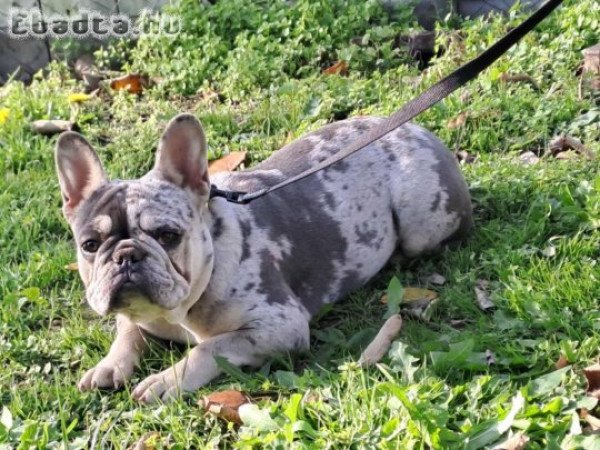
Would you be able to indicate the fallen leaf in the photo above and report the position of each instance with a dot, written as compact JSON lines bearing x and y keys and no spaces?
{"x":528,"y":158}
{"x":482,"y":297}
{"x":562,"y":361}
{"x":134,"y":83}
{"x":78,"y":97}
{"x":592,"y":421}
{"x":4,"y":115}
{"x":517,"y":78}
{"x":339,"y":68}
{"x":411,"y":294}
{"x":592,"y":375}
{"x":49,"y":127}
{"x":419,"y":302}
{"x":72,"y":266}
{"x":458,"y":121}
{"x":382,"y":341}
{"x":148,"y":441}
{"x":563,"y":143}
{"x":437,"y":279}
{"x":225,"y":404}
{"x":227,"y":163}
{"x":517,"y":441}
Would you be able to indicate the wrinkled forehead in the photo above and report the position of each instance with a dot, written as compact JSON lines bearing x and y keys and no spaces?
{"x":120,"y":206}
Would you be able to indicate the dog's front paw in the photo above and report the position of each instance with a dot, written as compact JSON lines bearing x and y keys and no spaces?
{"x":108,"y":373}
{"x":164,"y":386}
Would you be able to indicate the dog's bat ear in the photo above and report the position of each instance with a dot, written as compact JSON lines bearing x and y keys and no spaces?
{"x":79,"y":170}
{"x":182,"y":155}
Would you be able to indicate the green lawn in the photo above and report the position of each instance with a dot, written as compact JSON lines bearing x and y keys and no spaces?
{"x":536,"y":238}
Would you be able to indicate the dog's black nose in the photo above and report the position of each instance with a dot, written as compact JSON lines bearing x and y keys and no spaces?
{"x":128,"y":255}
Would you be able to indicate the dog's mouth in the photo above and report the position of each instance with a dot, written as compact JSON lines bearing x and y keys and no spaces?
{"x":136,"y":289}
{"x":125,"y":288}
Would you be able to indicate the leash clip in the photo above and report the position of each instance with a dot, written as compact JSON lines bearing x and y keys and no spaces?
{"x":230,"y":196}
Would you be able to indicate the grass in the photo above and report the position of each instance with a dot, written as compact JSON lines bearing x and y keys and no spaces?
{"x":536,"y":239}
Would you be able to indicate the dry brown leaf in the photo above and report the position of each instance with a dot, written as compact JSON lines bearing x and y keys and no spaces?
{"x":592,"y":421}
{"x":49,"y":127}
{"x":563,"y":143}
{"x":458,"y":121}
{"x":225,"y":404}
{"x":482,"y":297}
{"x":72,"y":266}
{"x":382,"y":341}
{"x":227,"y":163}
{"x":147,"y":442}
{"x":411,"y":294}
{"x":339,"y":68}
{"x":517,"y":78}
{"x":134,"y":83}
{"x":419,"y":302}
{"x":414,"y":294}
{"x":517,"y":441}
{"x":592,"y":375}
{"x":562,"y":361}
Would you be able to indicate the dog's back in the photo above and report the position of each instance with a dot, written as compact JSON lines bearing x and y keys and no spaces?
{"x":332,"y":231}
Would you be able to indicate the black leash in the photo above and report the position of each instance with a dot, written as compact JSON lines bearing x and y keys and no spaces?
{"x":430,"y":97}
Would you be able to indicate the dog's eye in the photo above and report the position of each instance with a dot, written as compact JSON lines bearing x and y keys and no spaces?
{"x":168,"y":238}
{"x":90,"y":246}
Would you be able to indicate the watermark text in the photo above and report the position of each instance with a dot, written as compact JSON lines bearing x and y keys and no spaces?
{"x":31,"y":23}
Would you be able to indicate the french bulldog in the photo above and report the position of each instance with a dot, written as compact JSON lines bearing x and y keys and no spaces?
{"x":243,"y":281}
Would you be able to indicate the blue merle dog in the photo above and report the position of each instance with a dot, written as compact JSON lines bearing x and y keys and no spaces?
{"x":243,"y":281}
